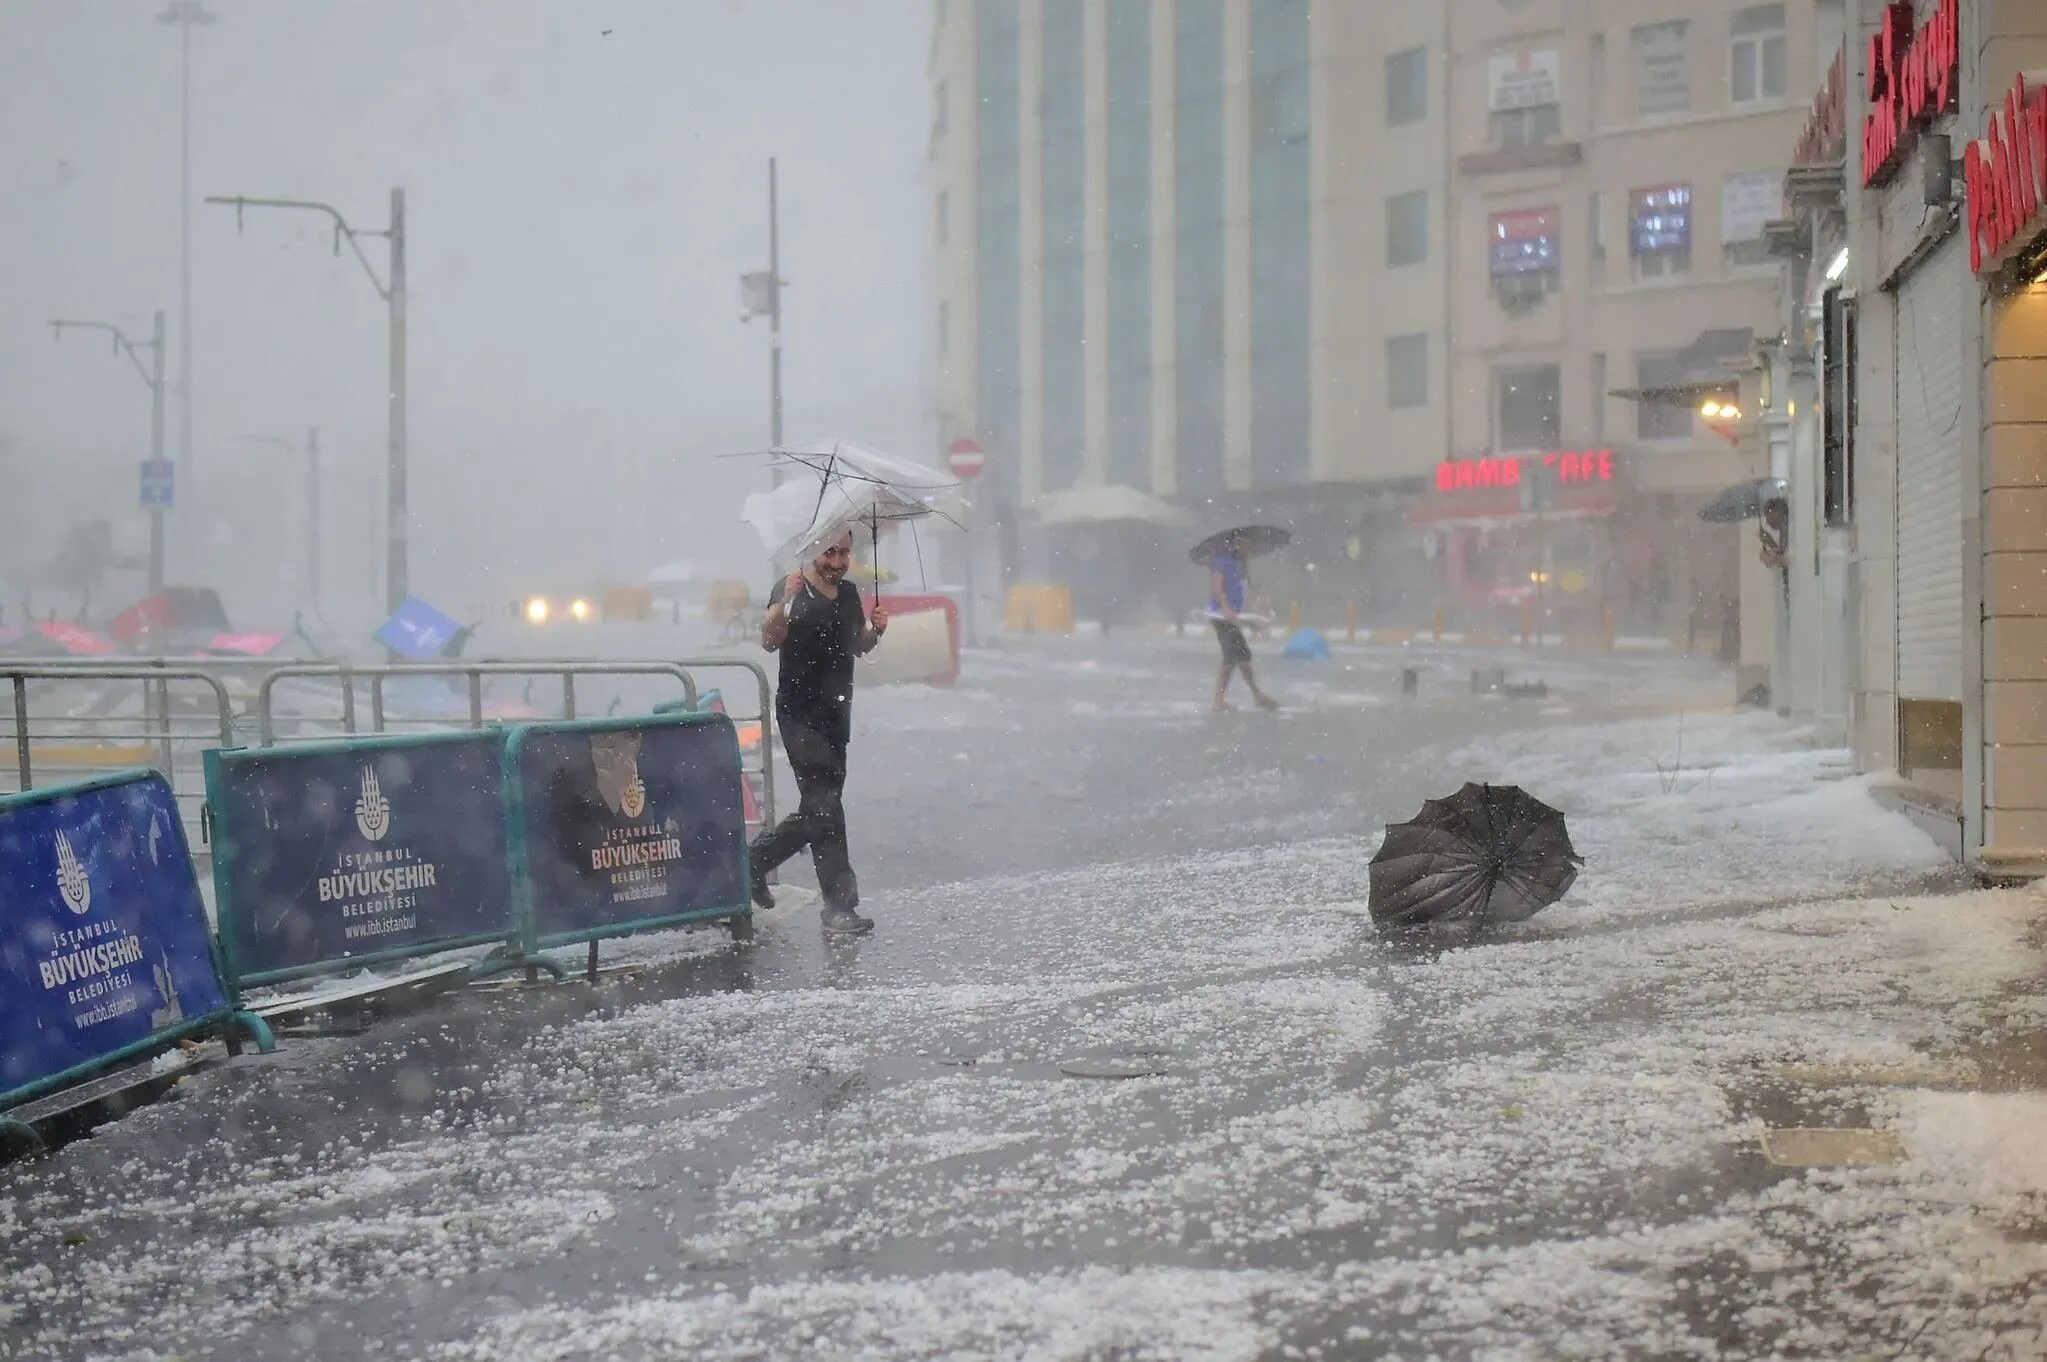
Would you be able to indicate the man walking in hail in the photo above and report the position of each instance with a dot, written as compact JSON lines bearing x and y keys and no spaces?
{"x":815,"y":622}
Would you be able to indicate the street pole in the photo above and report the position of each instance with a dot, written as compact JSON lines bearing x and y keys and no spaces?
{"x":396,"y":588}
{"x":153,"y":376}
{"x":313,"y":517}
{"x":185,"y":14}
{"x":774,"y":315}
{"x":156,"y":347}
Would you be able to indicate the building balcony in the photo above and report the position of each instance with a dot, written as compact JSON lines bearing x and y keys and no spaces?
{"x":1501,"y":161}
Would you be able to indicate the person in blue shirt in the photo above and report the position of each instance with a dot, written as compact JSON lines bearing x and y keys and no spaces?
{"x":1227,"y":580}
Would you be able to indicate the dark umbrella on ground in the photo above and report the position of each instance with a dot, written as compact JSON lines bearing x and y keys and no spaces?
{"x":1743,"y":501}
{"x":1489,"y":853}
{"x":1256,"y":540}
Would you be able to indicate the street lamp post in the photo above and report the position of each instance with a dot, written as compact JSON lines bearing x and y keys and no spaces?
{"x":761,"y":296}
{"x":185,"y":15}
{"x":393,"y":293}
{"x":153,"y":376}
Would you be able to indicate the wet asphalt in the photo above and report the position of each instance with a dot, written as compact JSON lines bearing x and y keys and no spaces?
{"x":1002,"y":833}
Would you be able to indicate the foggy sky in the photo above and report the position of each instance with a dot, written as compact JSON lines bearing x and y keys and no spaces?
{"x":579,"y":206}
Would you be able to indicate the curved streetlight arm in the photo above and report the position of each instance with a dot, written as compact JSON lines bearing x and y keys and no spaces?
{"x":342,"y":231}
{"x":122,"y":345}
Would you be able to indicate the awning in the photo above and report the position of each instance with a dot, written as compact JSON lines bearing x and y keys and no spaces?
{"x":1680,"y":394}
{"x":1108,"y":505}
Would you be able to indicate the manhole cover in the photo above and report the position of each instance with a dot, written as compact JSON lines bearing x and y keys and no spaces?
{"x":1813,"y":1147}
{"x":1114,"y":1066}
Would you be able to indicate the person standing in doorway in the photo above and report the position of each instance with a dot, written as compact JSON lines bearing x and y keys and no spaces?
{"x":1228,"y":581}
{"x":815,"y":622}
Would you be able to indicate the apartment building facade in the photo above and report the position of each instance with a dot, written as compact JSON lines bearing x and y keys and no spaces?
{"x":1916,"y":328}
{"x":1354,"y":268}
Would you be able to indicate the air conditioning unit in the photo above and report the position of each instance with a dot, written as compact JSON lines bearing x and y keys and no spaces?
{"x":1521,"y":292}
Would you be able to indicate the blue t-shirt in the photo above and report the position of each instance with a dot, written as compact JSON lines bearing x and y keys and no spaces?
{"x":1232,"y":570}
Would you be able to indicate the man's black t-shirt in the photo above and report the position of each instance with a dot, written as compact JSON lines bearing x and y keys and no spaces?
{"x":816,"y":687}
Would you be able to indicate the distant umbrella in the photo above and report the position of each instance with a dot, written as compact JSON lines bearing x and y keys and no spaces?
{"x":1489,"y":853}
{"x":1257,"y":540}
{"x":1743,"y":501}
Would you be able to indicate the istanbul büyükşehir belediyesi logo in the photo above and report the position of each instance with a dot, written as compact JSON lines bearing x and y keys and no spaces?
{"x":72,"y":881}
{"x":372,"y":810}
{"x":615,"y":758}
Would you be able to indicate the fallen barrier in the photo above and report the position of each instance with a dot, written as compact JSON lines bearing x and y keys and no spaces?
{"x":620,"y":826}
{"x":338,"y":855}
{"x":922,"y":644}
{"x":105,"y":953}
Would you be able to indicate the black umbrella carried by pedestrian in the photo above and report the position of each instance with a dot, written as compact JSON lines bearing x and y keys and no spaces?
{"x":1743,"y":501}
{"x":1489,"y":853}
{"x":1250,"y":540}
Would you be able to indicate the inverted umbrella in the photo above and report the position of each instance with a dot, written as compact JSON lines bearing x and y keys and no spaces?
{"x":1256,"y":541}
{"x":1743,"y":501}
{"x":1487,"y":853}
{"x":840,"y":484}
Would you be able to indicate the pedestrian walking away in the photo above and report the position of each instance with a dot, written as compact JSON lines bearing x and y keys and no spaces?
{"x":1227,"y":582}
{"x":814,"y":621}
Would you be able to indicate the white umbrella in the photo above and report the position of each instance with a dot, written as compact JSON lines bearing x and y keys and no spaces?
{"x":801,"y":516}
{"x":843,"y":484}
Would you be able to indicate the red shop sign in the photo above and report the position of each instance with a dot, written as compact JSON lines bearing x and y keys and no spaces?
{"x":1571,"y":467}
{"x":2005,"y":176}
{"x":1912,"y":78}
{"x":1826,"y":128}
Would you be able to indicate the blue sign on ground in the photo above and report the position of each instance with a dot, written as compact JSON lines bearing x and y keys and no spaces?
{"x":333,"y":855}
{"x":159,"y":483}
{"x":622,"y":825}
{"x":417,"y":630}
{"x":104,"y":945}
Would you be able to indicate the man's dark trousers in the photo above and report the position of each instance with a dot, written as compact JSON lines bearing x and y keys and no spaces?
{"x":819,"y":761}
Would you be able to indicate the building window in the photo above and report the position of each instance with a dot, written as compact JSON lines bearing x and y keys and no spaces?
{"x":1516,"y":129}
{"x":1199,"y":258}
{"x":1660,"y":231}
{"x":1527,"y":408}
{"x":944,"y":224}
{"x":1128,"y":459}
{"x":1063,"y":210}
{"x":1837,"y":408}
{"x":1281,"y":73}
{"x":1407,"y":371}
{"x":1663,"y":77}
{"x":1599,"y":397}
{"x":944,"y":329}
{"x":995,"y":225}
{"x":1525,"y":255}
{"x":1755,"y":54}
{"x":940,"y":99}
{"x":1665,"y":418}
{"x":1407,"y":229}
{"x":1407,"y":87}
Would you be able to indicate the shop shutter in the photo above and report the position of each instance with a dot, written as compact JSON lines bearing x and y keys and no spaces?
{"x":1930,"y":444}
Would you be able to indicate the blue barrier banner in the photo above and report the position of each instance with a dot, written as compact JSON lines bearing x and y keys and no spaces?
{"x":619,"y":825}
{"x":104,"y":946}
{"x":333,"y":855}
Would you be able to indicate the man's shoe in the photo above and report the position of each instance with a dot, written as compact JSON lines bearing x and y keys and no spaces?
{"x":846,"y":922}
{"x":761,"y":895}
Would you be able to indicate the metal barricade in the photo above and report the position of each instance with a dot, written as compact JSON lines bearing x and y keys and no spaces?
{"x":61,"y":723}
{"x":762,"y":766}
{"x":473,"y":675}
{"x":67,"y":722}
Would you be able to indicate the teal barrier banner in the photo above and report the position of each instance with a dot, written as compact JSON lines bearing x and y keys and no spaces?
{"x":330,"y":856}
{"x":622,"y":825}
{"x":105,"y":952}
